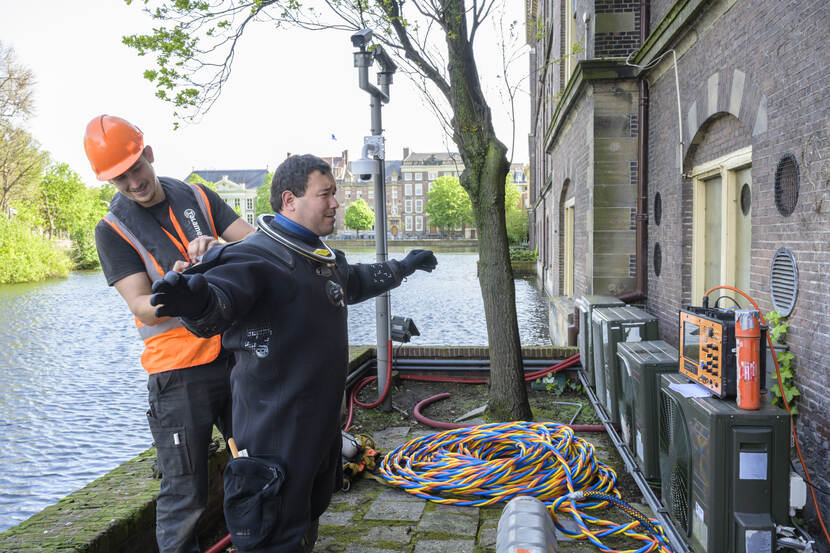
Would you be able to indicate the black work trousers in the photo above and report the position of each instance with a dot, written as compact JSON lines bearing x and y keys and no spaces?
{"x":184,"y":406}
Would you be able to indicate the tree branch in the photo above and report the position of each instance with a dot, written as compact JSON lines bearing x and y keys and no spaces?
{"x":392,"y":10}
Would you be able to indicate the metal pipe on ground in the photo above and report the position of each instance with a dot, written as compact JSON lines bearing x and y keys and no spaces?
{"x":470,"y":362}
{"x":661,"y":514}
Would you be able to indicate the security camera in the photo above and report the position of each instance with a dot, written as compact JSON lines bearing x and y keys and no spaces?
{"x":361,"y":38}
{"x":364,"y":169}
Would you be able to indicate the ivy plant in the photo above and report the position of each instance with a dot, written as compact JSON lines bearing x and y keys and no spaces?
{"x":778,"y":327}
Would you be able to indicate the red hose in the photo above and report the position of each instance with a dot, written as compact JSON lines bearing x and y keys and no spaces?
{"x":221,"y":545}
{"x":528,"y":377}
{"x":368,"y":380}
{"x":452,"y":425}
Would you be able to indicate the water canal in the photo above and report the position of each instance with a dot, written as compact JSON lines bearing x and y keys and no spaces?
{"x":73,"y":395}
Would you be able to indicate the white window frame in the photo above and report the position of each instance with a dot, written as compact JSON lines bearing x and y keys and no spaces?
{"x":408,"y":223}
{"x":433,"y":175}
{"x":250,"y":204}
{"x":359,"y":194}
{"x":419,"y":206}
{"x":407,"y":189}
{"x":348,"y":194}
{"x":407,"y":176}
{"x":407,"y":206}
{"x":419,"y":189}
{"x":419,"y":224}
{"x":570,"y":38}
{"x":419,"y":176}
{"x":725,"y":167}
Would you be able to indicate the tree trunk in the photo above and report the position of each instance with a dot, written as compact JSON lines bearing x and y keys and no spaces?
{"x":486,"y":169}
{"x":508,"y":392}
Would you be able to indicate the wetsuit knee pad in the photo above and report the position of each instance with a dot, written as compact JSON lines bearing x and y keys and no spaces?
{"x":252,"y":500}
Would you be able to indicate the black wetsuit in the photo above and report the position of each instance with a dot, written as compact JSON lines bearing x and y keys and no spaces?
{"x":290,"y":339}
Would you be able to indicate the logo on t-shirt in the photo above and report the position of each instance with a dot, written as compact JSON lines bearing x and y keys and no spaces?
{"x":191,"y":215}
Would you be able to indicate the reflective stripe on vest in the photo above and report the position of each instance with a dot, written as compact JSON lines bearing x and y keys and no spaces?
{"x":168,"y":345}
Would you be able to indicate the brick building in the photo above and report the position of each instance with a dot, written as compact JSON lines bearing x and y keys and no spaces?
{"x":624,"y":201}
{"x":407,"y":192}
{"x":418,"y":170}
{"x":350,"y":189}
{"x":236,"y":187}
{"x":519,"y":175}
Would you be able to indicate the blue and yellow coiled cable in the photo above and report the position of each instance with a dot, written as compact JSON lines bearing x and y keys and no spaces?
{"x":487,"y":464}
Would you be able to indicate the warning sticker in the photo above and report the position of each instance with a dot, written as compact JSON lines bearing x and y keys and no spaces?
{"x":753,"y":466}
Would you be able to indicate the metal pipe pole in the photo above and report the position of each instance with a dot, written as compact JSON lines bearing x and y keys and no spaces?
{"x":379,"y":96}
{"x":382,"y":302}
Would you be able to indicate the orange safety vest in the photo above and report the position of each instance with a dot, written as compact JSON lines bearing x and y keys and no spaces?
{"x":169,"y":345}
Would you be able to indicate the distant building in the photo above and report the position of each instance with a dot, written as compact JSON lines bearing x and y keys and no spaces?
{"x":236,"y":187}
{"x":407,"y":190}
{"x":350,"y":189}
{"x":519,"y":172}
{"x":418,"y":171}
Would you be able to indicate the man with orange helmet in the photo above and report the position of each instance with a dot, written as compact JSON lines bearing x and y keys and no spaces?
{"x":154,"y":225}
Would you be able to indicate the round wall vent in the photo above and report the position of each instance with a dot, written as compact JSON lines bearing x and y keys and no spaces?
{"x":658,"y":259}
{"x":786,"y":185}
{"x":658,"y":209}
{"x":783,"y":281}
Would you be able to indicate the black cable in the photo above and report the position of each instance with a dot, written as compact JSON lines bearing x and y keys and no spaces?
{"x":729,"y":298}
{"x":820,"y":490}
{"x":395,"y":353}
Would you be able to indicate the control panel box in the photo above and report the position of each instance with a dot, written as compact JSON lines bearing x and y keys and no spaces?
{"x":707,"y":349}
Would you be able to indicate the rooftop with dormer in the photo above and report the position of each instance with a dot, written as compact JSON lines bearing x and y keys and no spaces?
{"x":251,"y":178}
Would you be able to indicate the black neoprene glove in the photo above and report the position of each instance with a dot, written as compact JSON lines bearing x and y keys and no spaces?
{"x":179,"y":295}
{"x":418,"y":259}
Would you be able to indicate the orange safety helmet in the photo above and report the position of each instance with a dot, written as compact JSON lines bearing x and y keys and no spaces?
{"x":112,"y":145}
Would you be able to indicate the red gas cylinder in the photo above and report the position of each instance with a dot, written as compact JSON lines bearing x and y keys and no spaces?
{"x":748,"y":351}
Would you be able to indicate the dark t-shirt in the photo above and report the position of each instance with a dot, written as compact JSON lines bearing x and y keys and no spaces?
{"x":119,"y":259}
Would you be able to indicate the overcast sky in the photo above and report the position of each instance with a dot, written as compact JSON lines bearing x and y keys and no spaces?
{"x":290,"y":91}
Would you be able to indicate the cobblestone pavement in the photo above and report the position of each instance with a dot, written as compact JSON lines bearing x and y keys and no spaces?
{"x":374,"y":518}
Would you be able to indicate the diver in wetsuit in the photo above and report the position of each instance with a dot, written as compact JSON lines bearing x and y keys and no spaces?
{"x":280,"y":298}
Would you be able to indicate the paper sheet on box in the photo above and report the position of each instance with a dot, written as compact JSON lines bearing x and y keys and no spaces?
{"x":692,"y":389}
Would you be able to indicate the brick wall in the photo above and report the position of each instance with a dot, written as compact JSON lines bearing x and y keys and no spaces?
{"x":617,"y":24}
{"x":754,"y":73}
{"x":658,"y":9}
{"x":570,"y":161}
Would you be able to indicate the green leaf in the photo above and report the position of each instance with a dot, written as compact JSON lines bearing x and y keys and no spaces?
{"x":785,"y":359}
{"x":786,"y":373}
